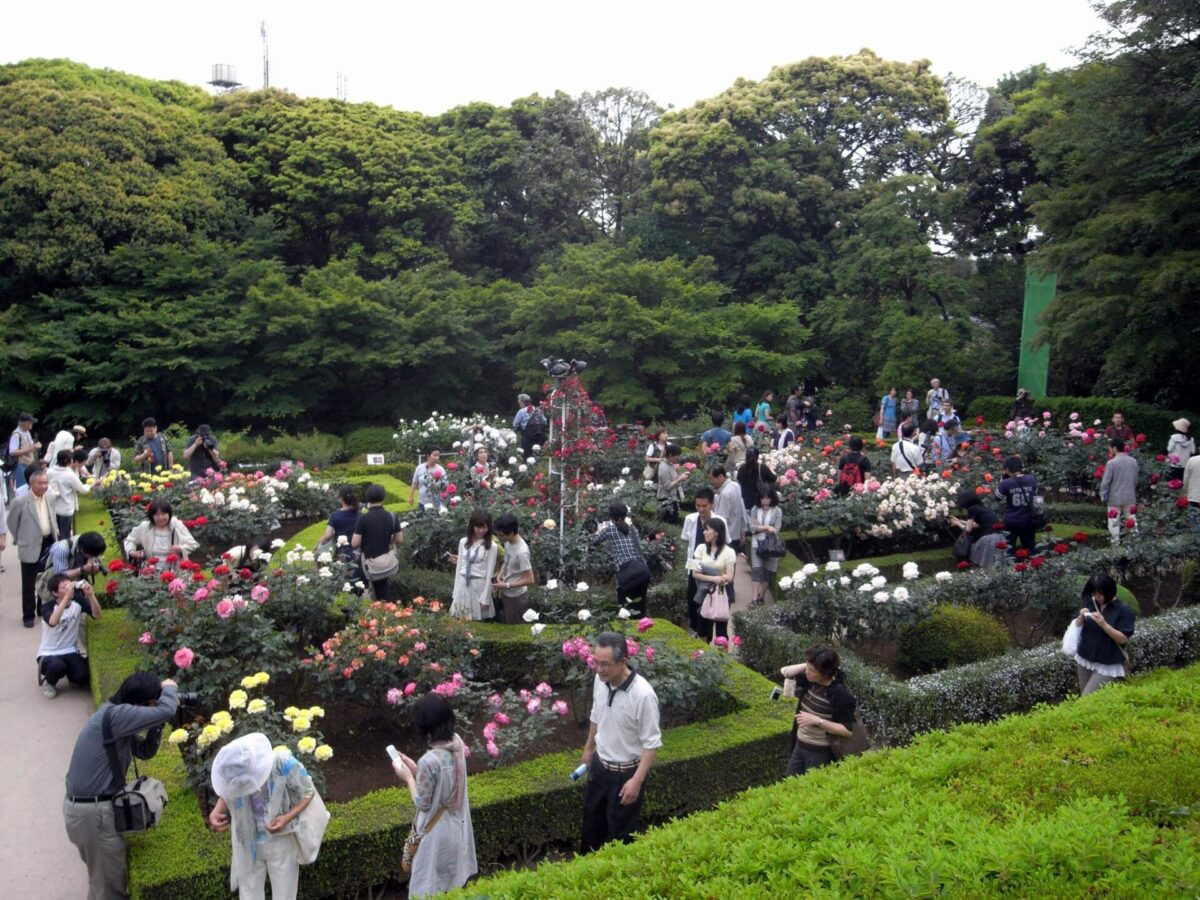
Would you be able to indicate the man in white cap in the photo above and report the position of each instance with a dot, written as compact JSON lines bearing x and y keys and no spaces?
{"x":262,"y":793}
{"x":64,"y":440}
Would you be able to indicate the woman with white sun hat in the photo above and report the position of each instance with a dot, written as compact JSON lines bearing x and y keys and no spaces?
{"x":263,"y":792}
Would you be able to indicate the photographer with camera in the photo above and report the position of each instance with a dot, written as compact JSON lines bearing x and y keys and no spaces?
{"x":142,"y":703}
{"x":103,"y":459}
{"x":201,"y":452}
{"x":58,"y":654}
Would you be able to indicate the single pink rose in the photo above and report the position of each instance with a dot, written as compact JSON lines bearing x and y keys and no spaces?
{"x":184,"y":657}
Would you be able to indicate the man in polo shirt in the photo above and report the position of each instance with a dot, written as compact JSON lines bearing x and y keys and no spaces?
{"x":622,"y":741}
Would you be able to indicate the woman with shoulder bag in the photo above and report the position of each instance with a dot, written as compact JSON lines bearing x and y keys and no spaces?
{"x":633,"y":575}
{"x":474,"y":567}
{"x":754,"y":478}
{"x":375,"y":535}
{"x":824,"y":709}
{"x":715,"y":564}
{"x":735,"y":450}
{"x":1107,"y":625}
{"x":656,"y":453}
{"x":766,"y":520}
{"x":670,"y":481}
{"x":262,"y":794}
{"x":444,"y":853}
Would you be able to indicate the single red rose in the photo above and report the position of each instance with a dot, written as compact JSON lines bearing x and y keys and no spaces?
{"x":116,"y":566}
{"x":1131,"y":523}
{"x":1182,"y":503}
{"x":1162,"y":457}
{"x":1022,"y":553}
{"x":1060,"y":549}
{"x":110,"y":586}
{"x":198,"y":576}
{"x":979,"y":420}
{"x":1175,"y":484}
{"x":1001,"y":546}
{"x":1141,"y":439}
{"x":1037,"y":562}
{"x":997,"y":526}
{"x":152,"y":561}
{"x":134,"y":498}
{"x":1080,"y":537}
{"x":172,"y":558}
{"x":1020,"y":567}
{"x":1113,"y":513}
{"x":166,"y":577}
{"x":222,"y":569}
{"x":1133,"y":510}
{"x":226,"y":556}
{"x":246,"y":574}
{"x":1155,"y":479}
{"x":964,"y":564}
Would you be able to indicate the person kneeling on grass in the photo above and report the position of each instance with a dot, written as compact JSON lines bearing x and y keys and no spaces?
{"x":824,"y":709}
{"x":58,"y":654}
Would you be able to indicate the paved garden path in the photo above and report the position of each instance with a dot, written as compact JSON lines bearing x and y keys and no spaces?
{"x":37,"y":736}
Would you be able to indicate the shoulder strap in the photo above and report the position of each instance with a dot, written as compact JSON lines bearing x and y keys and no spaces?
{"x":118,"y":776}
{"x":900,"y":444}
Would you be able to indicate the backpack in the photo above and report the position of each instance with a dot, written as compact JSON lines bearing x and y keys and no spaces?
{"x":850,"y":475}
{"x":536,"y":423}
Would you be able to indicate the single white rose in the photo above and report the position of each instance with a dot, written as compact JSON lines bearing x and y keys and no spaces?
{"x":581,"y":587}
{"x":530,"y":615}
{"x":552,"y":584}
{"x":537,"y":629}
{"x":584,"y":615}
{"x":623,"y":613}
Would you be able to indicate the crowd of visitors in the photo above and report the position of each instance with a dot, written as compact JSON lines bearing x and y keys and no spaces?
{"x":736,"y":520}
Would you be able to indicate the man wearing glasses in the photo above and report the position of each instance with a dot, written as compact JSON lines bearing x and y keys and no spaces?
{"x":622,"y":741}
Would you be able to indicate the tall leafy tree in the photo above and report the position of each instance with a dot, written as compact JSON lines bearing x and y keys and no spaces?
{"x":622,"y":120}
{"x":1120,"y":207}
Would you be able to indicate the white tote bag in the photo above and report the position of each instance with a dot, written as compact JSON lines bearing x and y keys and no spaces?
{"x":1070,"y":641}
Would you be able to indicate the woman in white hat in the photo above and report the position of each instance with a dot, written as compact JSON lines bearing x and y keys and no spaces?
{"x":1180,"y":448}
{"x":262,"y":793}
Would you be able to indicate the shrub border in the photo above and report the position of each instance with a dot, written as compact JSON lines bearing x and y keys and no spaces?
{"x":513,"y":808}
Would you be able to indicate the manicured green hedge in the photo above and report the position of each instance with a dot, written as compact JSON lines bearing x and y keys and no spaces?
{"x":951,"y":636}
{"x":897,"y":711}
{"x":514,"y":808}
{"x":1143,"y":418}
{"x":358,"y":471}
{"x":1092,"y":798}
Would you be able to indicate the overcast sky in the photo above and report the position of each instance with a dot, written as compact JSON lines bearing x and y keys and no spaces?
{"x":431,"y":56}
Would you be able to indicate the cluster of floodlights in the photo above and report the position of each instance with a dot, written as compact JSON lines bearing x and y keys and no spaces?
{"x":560,"y":368}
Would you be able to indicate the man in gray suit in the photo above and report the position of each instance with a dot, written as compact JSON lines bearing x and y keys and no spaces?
{"x":1118,"y":489}
{"x":34,"y":529}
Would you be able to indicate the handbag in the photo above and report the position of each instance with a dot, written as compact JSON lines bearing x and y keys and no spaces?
{"x":385,"y":565}
{"x":412,"y":843}
{"x":1070,"y":641}
{"x":139,"y":804}
{"x":770,"y":546}
{"x":716,"y":605}
{"x":962,"y":545}
{"x":859,"y":741}
{"x":310,"y":829}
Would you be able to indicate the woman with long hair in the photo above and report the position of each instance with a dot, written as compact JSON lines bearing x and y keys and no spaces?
{"x":474,"y":566}
{"x":754,"y":478}
{"x":633,"y":575}
{"x":716,"y":563}
{"x":765,"y":519}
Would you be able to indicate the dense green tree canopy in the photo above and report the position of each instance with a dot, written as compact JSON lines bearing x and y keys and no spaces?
{"x":259,"y":259}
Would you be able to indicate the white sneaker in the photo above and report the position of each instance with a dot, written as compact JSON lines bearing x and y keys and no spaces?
{"x":50,"y":690}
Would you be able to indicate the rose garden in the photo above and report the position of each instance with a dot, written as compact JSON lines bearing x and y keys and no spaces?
{"x":287,"y":643}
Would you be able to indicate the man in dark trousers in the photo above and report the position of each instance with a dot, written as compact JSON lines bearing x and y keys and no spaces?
{"x":622,"y":741}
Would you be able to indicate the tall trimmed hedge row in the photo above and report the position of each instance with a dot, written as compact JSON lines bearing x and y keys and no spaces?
{"x":514,"y":808}
{"x":897,"y":711}
{"x":1093,"y":797}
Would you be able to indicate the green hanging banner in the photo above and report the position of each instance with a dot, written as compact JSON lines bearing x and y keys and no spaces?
{"x":1034,"y":367}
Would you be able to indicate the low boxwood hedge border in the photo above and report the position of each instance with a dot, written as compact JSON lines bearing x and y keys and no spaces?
{"x":1094,"y":797}
{"x":897,"y":711}
{"x":514,"y":808}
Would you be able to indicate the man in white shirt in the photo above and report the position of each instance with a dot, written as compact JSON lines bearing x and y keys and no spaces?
{"x":1191,"y":490}
{"x":623,"y":739}
{"x":64,"y":440}
{"x":58,"y":654}
{"x":935,"y":398}
{"x":907,"y":455}
{"x":65,"y":488}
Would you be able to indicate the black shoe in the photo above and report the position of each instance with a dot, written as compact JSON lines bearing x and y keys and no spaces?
{"x":28,"y":623}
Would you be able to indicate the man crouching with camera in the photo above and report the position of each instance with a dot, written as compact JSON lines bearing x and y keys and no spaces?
{"x":58,"y":654}
{"x":97,"y":774}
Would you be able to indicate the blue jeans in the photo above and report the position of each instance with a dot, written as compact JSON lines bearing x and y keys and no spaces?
{"x":1193,"y":515}
{"x":19,"y":476}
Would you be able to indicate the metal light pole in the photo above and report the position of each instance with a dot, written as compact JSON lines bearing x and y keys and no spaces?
{"x":558,"y":369}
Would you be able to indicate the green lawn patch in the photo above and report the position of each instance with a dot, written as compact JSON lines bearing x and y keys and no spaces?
{"x":1098,"y":796}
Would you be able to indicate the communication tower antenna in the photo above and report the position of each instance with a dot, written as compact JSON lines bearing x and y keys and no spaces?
{"x":266,"y":63}
{"x":343,"y":89}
